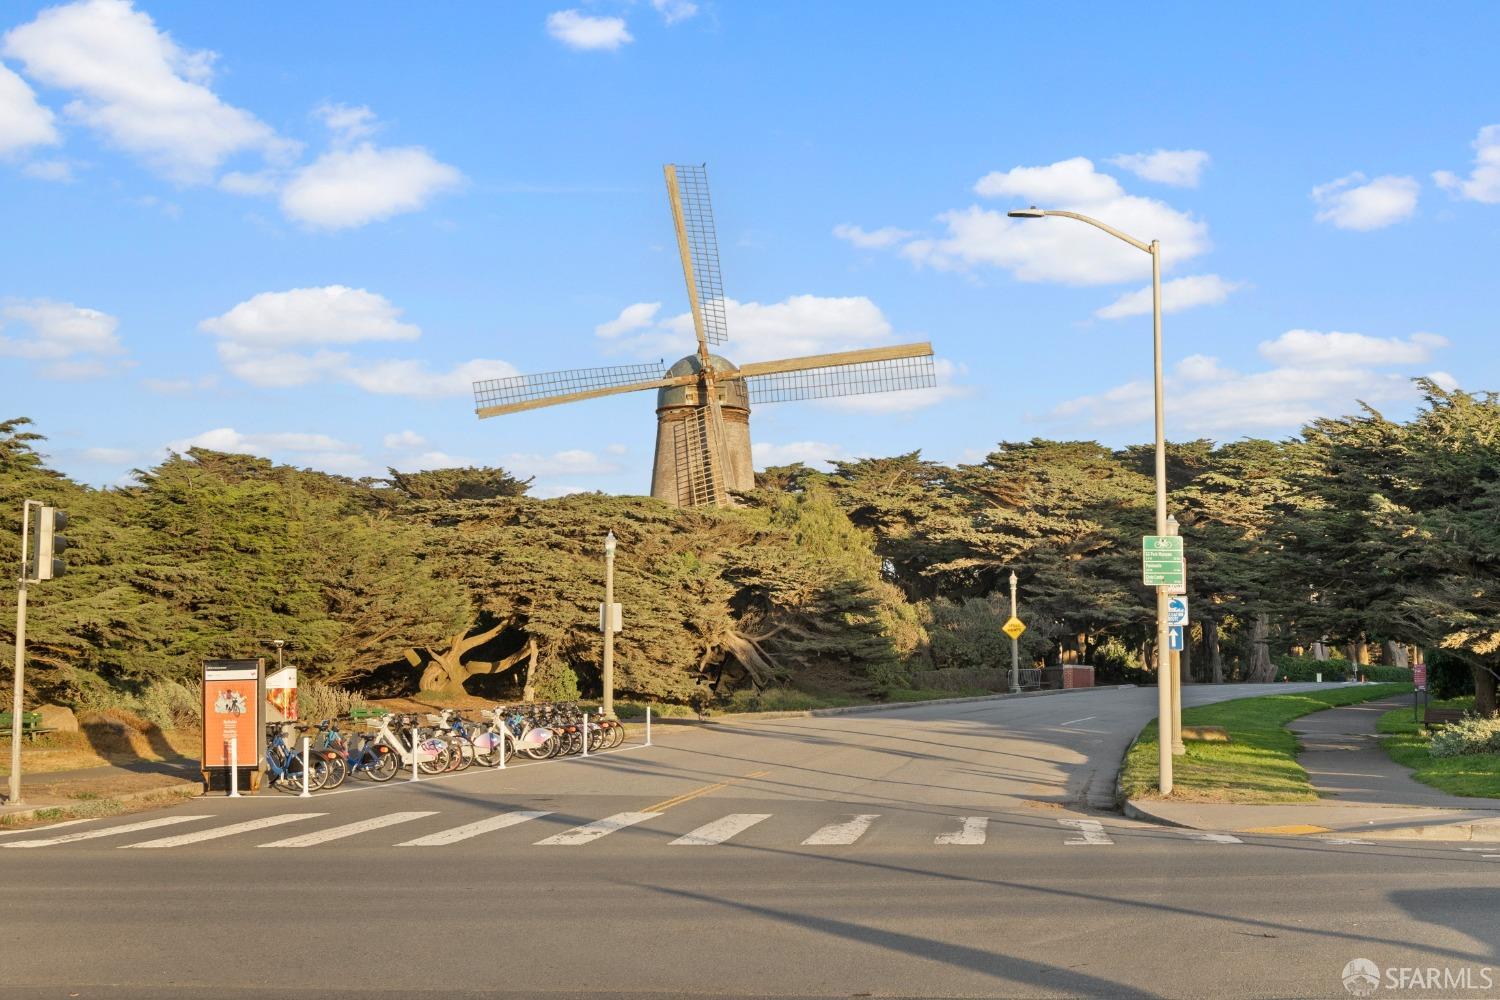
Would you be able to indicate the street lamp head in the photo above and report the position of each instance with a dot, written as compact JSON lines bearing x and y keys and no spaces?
{"x":1027,"y":213}
{"x":609,"y":544}
{"x":1012,"y":578}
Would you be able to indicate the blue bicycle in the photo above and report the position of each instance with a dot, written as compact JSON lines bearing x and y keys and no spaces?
{"x":284,"y":765}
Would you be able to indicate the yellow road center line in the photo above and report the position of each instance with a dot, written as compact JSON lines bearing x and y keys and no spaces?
{"x":705,"y":790}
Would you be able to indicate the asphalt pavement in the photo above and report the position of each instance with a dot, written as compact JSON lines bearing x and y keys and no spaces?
{"x":947,"y":850}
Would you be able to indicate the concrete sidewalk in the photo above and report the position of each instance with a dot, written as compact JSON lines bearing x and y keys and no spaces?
{"x":51,"y":790}
{"x":1364,"y":792}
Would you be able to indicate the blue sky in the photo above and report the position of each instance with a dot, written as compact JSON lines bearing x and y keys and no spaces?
{"x":302,"y":229}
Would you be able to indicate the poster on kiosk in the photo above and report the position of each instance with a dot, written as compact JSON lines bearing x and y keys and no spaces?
{"x":281,"y":695}
{"x":234,"y":696}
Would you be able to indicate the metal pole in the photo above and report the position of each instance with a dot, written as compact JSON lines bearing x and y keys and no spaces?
{"x":608,"y":680}
{"x":416,"y":741}
{"x":648,"y":725}
{"x":1015,"y":656}
{"x":585,"y":734}
{"x":306,"y":763}
{"x":13,"y":796}
{"x":234,"y":767}
{"x":1163,"y":657}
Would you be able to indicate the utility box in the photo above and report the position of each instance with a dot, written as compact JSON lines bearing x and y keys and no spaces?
{"x":234,"y":698}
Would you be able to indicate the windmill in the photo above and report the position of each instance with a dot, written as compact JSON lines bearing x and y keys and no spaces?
{"x":703,"y":401}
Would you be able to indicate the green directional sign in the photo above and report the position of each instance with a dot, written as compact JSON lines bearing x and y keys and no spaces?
{"x":1162,"y":564}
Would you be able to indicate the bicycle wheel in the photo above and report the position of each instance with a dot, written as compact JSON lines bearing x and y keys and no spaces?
{"x":466,"y":751}
{"x":383,"y":767}
{"x":338,"y":769}
{"x":440,"y":760}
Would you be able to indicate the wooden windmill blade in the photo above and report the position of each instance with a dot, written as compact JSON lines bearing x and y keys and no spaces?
{"x":493,"y":397}
{"x":702,"y":460}
{"x":847,"y":373}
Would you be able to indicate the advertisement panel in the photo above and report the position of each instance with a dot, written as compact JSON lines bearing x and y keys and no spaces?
{"x":281,"y":695}
{"x":233,"y":691}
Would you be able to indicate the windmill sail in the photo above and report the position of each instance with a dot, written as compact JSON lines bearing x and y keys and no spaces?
{"x":693,"y":216}
{"x":849,"y":373}
{"x":493,"y":397}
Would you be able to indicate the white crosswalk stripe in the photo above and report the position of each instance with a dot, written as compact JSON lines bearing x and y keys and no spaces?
{"x":1090,"y":833}
{"x":719,"y":830}
{"x":348,"y":830}
{"x":198,"y":836}
{"x":109,"y":831}
{"x":841,"y":834}
{"x":453,"y":836}
{"x":590,"y":832}
{"x":48,"y":828}
{"x":971,"y":834}
{"x":1346,"y":842}
{"x":1210,"y":838}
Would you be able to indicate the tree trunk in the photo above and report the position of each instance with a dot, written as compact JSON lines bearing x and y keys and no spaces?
{"x":1211,"y":647}
{"x":1362,"y":652}
{"x":1320,"y":651}
{"x":1261,"y":670}
{"x":1393,"y":654}
{"x":446,"y":670}
{"x":1484,"y":691}
{"x":1351,"y":653}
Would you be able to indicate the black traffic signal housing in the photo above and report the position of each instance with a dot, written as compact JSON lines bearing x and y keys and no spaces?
{"x":50,"y":543}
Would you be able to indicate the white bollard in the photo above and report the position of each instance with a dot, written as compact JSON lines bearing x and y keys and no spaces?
{"x":234,"y":767}
{"x":306,"y":767}
{"x":648,"y":725}
{"x":585,"y":734}
{"x":504,"y":732}
{"x":1320,"y":678}
{"x":416,"y":751}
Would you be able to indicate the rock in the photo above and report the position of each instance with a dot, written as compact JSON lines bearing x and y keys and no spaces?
{"x":56,"y":717}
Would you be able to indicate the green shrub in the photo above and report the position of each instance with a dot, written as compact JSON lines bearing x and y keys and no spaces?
{"x":1396,"y":675}
{"x":965,"y":635}
{"x":1469,"y":735}
{"x":167,"y":704}
{"x":317,"y":701}
{"x":556,"y":683}
{"x":1114,"y":663}
{"x":1305,"y":668}
{"x":1447,"y":675}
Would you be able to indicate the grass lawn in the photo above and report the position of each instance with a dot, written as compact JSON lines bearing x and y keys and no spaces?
{"x":1475,"y":775}
{"x":1259,"y":764}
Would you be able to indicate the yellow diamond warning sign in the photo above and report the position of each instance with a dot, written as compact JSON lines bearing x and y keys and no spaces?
{"x":1013,"y":628}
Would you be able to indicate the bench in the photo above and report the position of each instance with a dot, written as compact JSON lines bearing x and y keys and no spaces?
{"x":31,"y":725}
{"x":1441,"y":716}
{"x":362,"y":712}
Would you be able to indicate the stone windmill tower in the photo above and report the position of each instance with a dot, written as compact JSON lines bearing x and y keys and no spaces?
{"x":703,"y":401}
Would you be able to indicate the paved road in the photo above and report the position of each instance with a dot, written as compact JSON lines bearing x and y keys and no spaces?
{"x":935,"y":851}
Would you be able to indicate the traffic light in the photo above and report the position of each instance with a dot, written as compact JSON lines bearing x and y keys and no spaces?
{"x":49,"y":543}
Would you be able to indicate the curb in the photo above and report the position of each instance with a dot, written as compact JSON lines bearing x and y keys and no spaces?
{"x":808,"y":713}
{"x":1478,"y":831}
{"x":190,"y":790}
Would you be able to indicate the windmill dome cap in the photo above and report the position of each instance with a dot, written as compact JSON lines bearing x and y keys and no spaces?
{"x":691,"y":365}
{"x":732,"y":391}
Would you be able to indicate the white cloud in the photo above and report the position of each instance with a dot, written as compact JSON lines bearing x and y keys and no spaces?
{"x":1315,"y":375}
{"x":879,"y":239}
{"x":60,"y":171}
{"x":140,"y":90}
{"x":633,"y":317}
{"x":1060,"y":250}
{"x":334,"y":314}
{"x":799,"y":324}
{"x":582,"y":31}
{"x":1178,"y":167}
{"x":811,"y":453}
{"x":352,"y":187}
{"x":256,"y":184}
{"x":70,"y":342}
{"x":347,"y":123}
{"x":1310,"y":348}
{"x":673,"y":11}
{"x":258,"y":341}
{"x":23,"y":122}
{"x":405,"y":441}
{"x":1483,"y":184}
{"x":112,"y":456}
{"x":616,"y":449}
{"x":1444,"y":380}
{"x":315,"y":450}
{"x":180,"y":386}
{"x":1176,"y":295}
{"x":1384,"y":201}
{"x":573,"y":462}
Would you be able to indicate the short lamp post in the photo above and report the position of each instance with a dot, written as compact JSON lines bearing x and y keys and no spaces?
{"x":1163,"y":655}
{"x":607,"y":622}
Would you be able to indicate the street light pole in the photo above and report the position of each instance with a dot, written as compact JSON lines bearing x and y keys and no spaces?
{"x":1163,"y":656}
{"x":608,"y":619}
{"x":1015,"y":663}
